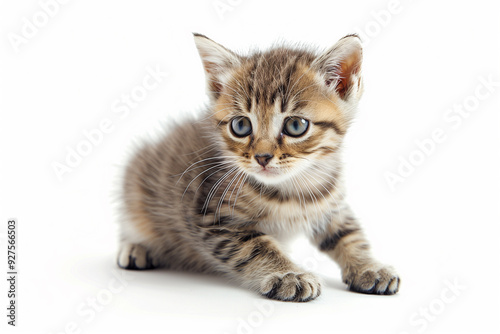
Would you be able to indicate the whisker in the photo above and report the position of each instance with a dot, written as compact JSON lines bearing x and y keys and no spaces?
{"x":238,"y":192}
{"x":221,"y":200}
{"x":219,"y":165}
{"x":214,"y":189}
{"x":200,"y":161}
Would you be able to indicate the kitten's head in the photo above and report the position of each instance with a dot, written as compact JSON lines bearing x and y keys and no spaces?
{"x":283,"y":111}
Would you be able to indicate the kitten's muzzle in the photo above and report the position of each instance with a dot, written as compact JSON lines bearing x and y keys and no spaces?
{"x":263,"y":159}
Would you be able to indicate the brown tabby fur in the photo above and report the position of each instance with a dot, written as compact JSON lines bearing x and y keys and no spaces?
{"x":198,"y":200}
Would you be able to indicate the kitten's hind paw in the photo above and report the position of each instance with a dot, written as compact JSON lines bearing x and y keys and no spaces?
{"x":372,"y":280}
{"x":297,"y":287}
{"x":134,"y":257}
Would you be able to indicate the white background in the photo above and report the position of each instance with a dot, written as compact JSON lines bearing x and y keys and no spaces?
{"x":440,"y":225}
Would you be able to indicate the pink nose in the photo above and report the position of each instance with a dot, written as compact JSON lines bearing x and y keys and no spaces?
{"x":263,"y":159}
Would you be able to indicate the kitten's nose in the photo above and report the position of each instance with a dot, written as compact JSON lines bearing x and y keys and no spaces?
{"x":263,"y":159}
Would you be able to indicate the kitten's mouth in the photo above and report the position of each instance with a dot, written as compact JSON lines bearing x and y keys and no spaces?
{"x":269,"y":171}
{"x":270,"y":175}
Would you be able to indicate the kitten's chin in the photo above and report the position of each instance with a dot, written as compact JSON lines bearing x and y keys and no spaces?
{"x":271,"y":176}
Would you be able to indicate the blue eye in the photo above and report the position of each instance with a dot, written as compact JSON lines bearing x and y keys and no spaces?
{"x":295,"y":126}
{"x":241,"y":126}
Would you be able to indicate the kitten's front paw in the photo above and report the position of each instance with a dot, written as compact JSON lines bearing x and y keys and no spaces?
{"x":297,"y":287}
{"x":380,"y":280}
{"x":134,"y":257}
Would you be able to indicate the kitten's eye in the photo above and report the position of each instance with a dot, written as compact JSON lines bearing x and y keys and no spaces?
{"x":241,"y":126}
{"x":295,"y":126}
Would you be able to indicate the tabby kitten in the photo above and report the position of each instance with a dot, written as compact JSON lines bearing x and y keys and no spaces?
{"x":217,"y":193}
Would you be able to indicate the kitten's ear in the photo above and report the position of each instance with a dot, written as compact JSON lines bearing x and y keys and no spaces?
{"x":340,"y":67}
{"x":217,"y":60}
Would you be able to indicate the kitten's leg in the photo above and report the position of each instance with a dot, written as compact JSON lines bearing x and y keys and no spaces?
{"x":256,"y":260}
{"x":343,"y":241}
{"x":134,"y":257}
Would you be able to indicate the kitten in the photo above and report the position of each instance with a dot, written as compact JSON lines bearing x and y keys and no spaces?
{"x":217,"y":193}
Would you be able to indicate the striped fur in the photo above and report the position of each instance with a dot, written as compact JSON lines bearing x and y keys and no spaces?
{"x":198,"y":199}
